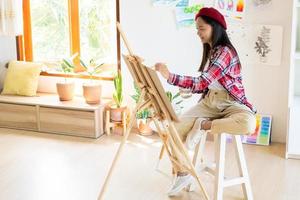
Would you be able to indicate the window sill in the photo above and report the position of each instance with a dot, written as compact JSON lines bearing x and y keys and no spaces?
{"x":106,"y":74}
{"x":82,"y":76}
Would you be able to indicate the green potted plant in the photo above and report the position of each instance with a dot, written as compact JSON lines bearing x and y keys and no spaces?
{"x":175,"y":101}
{"x":117,"y":108}
{"x":143,"y":116}
{"x":92,"y":89}
{"x":65,"y":89}
{"x":144,"y":120}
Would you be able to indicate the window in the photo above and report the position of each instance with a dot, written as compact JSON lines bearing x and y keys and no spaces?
{"x":57,"y":29}
{"x":50,"y":30}
{"x":96,"y":30}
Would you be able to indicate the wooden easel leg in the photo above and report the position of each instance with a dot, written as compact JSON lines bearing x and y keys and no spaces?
{"x":187,"y":158}
{"x":163,"y":138}
{"x":199,"y":150}
{"x":176,"y":151}
{"x":162,"y":150}
{"x":243,"y":168}
{"x":132,"y":120}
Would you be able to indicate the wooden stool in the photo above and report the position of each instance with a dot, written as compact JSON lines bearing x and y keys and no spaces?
{"x":110,"y":124}
{"x":218,"y":169}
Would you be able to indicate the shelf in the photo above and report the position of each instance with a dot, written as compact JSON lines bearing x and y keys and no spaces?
{"x":52,"y":100}
{"x":45,"y":113}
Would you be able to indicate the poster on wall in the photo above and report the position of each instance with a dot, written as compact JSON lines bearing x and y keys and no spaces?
{"x":176,"y":3}
{"x":185,"y":10}
{"x":185,"y":16}
{"x":234,"y":9}
{"x":170,"y":3}
{"x":266,"y":44}
{"x":182,"y":3}
{"x":262,"y":133}
{"x":261,"y":2}
{"x":256,"y":44}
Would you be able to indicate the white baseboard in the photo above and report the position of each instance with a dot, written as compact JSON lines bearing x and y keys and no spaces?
{"x":292,"y":156}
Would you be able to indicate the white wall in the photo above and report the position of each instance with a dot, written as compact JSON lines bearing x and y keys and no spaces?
{"x":7,"y":53}
{"x":152,"y":33}
{"x":268,"y":85}
{"x":296,"y":82}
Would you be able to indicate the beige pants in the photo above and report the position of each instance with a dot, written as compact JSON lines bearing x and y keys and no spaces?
{"x":227,"y":115}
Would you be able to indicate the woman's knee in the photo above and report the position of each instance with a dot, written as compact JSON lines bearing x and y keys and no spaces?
{"x":184,"y":126}
{"x":246,"y":122}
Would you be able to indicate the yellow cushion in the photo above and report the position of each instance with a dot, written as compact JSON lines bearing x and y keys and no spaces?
{"x":22,"y":78}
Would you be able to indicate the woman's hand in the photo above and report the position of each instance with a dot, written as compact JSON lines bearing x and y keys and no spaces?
{"x":162,"y":68}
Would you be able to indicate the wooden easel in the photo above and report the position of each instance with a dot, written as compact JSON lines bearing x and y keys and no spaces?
{"x":153,"y":97}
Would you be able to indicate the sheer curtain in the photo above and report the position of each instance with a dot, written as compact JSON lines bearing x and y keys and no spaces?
{"x":11,"y":17}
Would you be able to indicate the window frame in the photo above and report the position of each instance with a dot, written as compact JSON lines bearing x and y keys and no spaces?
{"x":24,"y":42}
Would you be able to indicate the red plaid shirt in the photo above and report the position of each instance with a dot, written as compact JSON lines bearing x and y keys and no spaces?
{"x":224,"y":67}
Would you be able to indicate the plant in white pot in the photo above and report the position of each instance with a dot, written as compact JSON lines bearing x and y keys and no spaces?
{"x":92,"y":89}
{"x":65,"y":89}
{"x":143,"y":116}
{"x":117,"y":109}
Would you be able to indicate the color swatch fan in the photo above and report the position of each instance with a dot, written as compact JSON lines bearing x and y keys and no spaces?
{"x":262,"y":134}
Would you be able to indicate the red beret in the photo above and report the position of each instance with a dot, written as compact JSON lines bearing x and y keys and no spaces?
{"x":213,"y":14}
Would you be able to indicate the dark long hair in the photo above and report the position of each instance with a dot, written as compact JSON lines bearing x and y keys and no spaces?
{"x":219,"y":37}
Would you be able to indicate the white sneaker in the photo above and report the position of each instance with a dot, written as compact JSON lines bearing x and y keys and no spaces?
{"x":180,"y":183}
{"x":194,"y":136}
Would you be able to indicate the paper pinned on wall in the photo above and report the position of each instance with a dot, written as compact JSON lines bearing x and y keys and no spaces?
{"x":183,"y":3}
{"x":257,"y":44}
{"x":174,"y":3}
{"x":185,"y":16}
{"x":185,"y":10}
{"x":261,"y":2}
{"x":195,"y":2}
{"x":170,"y":3}
{"x":266,"y":44}
{"x":234,"y":9}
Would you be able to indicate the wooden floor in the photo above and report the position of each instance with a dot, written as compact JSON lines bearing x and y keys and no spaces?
{"x":35,"y":166}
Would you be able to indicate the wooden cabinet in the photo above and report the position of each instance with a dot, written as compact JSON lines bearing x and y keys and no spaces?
{"x":74,"y":122}
{"x":18,"y":116}
{"x":46,"y":113}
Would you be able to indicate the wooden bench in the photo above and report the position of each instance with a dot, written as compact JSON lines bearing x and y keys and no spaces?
{"x":45,"y":113}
